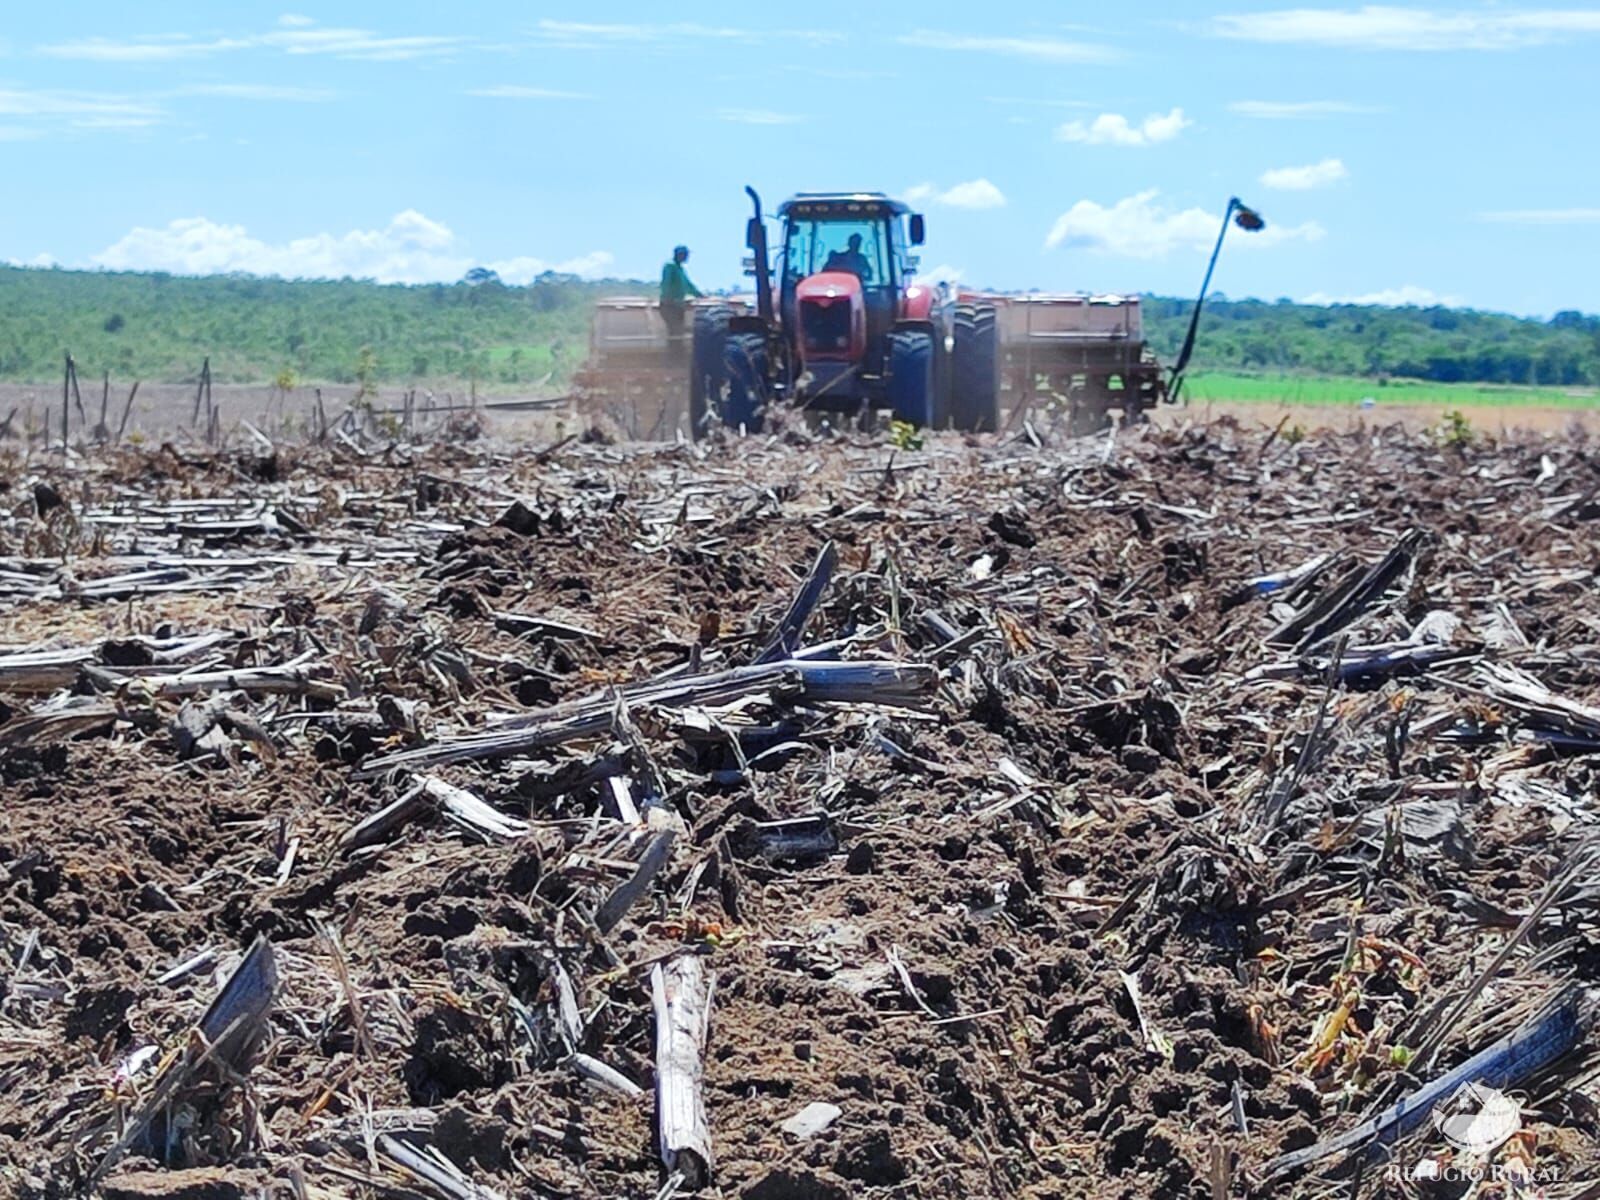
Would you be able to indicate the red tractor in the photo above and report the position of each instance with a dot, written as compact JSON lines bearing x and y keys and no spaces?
{"x":847,"y":330}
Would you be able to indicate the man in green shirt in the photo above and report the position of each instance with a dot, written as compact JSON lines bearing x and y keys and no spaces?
{"x":676,"y":291}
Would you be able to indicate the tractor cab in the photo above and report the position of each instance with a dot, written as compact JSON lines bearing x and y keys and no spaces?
{"x":843,"y":267}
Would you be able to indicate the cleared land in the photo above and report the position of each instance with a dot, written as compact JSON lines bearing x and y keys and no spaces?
{"x":1064,"y":847}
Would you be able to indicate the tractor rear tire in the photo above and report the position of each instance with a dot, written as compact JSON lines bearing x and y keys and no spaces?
{"x":910,"y":388}
{"x":744,"y":361}
{"x":705,"y":365}
{"x":975,"y":374}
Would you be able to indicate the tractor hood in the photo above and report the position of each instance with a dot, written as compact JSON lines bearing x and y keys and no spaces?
{"x":832,"y":317}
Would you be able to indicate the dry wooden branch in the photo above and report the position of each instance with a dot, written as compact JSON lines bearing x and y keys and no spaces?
{"x":681,"y":991}
{"x":894,"y":683}
{"x":435,"y":1170}
{"x":599,"y":1073}
{"x":456,"y":803}
{"x":656,"y":856}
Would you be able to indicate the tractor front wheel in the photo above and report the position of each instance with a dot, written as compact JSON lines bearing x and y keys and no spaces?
{"x":975,"y":382}
{"x":910,"y":390}
{"x":745,"y":363}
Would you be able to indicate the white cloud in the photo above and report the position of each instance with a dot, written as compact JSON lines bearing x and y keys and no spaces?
{"x":973,"y":194}
{"x":1042,"y":49}
{"x":42,"y":112}
{"x":1303,"y":179}
{"x":1406,"y":296}
{"x":259,"y":91}
{"x":1139,"y":226}
{"x":516,"y":91}
{"x":591,"y":33}
{"x":585,"y":30}
{"x":360,"y":44}
{"x":1114,"y":129}
{"x":1382,"y":27}
{"x":976,"y":194}
{"x":596,"y":35}
{"x":298,"y":36}
{"x":1297,"y":110}
{"x":159,"y":48}
{"x":412,"y":248}
{"x":757,"y":116}
{"x":523,"y":269}
{"x":295,"y":20}
{"x":1032,"y":102}
{"x":1544,"y":216}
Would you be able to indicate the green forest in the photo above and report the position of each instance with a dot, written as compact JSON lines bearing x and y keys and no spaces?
{"x":1441,"y":345}
{"x":160,"y":327}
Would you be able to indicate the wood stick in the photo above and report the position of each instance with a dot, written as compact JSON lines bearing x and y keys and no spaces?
{"x":681,"y":991}
{"x":786,"y":641}
{"x":897,"y":683}
{"x":199,"y":394}
{"x":599,"y":1073}
{"x":77,"y":396}
{"x":623,"y":898}
{"x":436,"y":1170}
{"x":127,"y":408}
{"x":468,"y":810}
{"x":377,"y":827}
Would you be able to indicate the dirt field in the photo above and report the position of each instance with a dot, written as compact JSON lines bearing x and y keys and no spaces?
{"x":162,"y":411}
{"x":1126,"y":865}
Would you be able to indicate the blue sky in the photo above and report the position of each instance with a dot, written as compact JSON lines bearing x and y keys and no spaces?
{"x":1396,"y":152}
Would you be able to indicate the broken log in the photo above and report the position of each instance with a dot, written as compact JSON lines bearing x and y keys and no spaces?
{"x":901,"y":684}
{"x":681,"y":991}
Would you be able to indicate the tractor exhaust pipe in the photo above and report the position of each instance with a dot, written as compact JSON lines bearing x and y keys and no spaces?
{"x":756,"y":239}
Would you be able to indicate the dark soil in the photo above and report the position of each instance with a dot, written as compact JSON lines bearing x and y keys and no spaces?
{"x":1071,"y":822}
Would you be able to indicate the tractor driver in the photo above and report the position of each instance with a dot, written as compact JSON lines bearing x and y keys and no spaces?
{"x":851,"y":259}
{"x":676,"y":290}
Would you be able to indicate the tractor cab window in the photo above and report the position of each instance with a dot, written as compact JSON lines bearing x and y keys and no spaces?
{"x":858,"y":247}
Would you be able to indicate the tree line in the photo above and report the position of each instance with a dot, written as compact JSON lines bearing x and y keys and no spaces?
{"x":158,"y":327}
{"x":1443,"y":345}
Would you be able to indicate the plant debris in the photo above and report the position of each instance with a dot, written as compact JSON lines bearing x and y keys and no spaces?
{"x":1173,"y":812}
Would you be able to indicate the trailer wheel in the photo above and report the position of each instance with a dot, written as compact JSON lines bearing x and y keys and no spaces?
{"x":705,"y":365}
{"x":910,"y":390}
{"x":1090,"y":407}
{"x":975,"y":386}
{"x":744,"y":361}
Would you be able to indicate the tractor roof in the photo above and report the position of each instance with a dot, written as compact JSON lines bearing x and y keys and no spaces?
{"x":841,"y":204}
